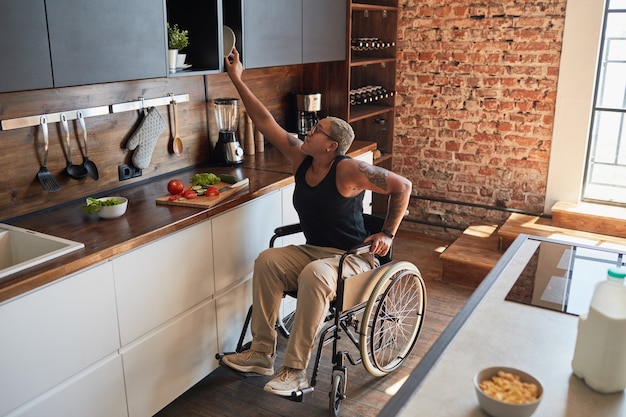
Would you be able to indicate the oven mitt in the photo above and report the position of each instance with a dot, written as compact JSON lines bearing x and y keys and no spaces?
{"x":142,"y":141}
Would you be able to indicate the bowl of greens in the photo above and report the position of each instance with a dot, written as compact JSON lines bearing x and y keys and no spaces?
{"x":106,"y":207}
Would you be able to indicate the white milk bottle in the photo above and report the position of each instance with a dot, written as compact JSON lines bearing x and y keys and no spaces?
{"x":600,"y":353}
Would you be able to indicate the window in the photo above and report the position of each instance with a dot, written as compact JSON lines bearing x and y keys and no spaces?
{"x":605,"y":173}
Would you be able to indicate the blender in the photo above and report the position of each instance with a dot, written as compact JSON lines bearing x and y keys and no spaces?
{"x":227,"y":150}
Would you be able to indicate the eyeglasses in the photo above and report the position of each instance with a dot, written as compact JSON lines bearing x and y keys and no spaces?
{"x":317,"y":129}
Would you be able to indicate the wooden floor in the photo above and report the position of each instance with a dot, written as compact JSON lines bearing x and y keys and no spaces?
{"x":224,"y":393}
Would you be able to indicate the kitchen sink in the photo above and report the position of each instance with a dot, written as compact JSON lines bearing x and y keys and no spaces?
{"x":22,"y":248}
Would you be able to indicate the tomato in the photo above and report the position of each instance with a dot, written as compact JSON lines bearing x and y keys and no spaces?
{"x":190,"y":194}
{"x":175,"y":187}
{"x":174,"y":197}
{"x":212,"y":192}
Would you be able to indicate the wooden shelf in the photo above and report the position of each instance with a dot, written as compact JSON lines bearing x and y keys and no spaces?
{"x":363,"y":61}
{"x":364,"y":6}
{"x":377,"y":19}
{"x":365,"y":111}
{"x":384,"y":157}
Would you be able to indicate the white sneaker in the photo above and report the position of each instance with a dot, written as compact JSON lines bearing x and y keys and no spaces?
{"x":250,"y":361}
{"x":286,"y":381}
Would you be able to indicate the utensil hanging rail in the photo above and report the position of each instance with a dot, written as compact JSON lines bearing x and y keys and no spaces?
{"x":28,"y":121}
{"x":145,"y":103}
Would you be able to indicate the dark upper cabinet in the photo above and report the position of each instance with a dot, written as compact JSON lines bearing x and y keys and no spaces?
{"x":102,"y":41}
{"x":272,"y":32}
{"x":287,"y":32}
{"x":80,"y":42}
{"x":324,"y":30}
{"x":24,"y":46}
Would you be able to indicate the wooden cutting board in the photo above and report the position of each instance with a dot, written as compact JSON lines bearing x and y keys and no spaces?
{"x":202,"y":201}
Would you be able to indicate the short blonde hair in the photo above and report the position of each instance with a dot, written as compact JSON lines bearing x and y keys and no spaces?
{"x":342,"y":133}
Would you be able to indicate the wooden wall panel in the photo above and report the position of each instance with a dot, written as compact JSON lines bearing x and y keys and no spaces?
{"x":20,"y":192}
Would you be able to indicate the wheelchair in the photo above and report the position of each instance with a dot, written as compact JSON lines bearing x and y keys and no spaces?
{"x":381,"y":311}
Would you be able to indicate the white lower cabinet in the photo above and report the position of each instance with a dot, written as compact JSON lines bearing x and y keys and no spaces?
{"x":126,"y":337}
{"x":162,"y":279}
{"x":367,"y":198}
{"x":54,"y":333}
{"x":165,"y":363}
{"x":96,"y":392}
{"x":232,"y":308}
{"x":290,"y":216}
{"x":240,"y":234}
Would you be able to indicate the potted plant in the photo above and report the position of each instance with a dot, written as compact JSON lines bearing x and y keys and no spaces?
{"x":177,"y":39}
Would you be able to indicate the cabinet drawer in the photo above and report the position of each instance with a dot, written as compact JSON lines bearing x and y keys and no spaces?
{"x":158,"y":281}
{"x":231,"y":309}
{"x":55,"y":332}
{"x":171,"y":360}
{"x":97,"y":392}
{"x":240,"y":235}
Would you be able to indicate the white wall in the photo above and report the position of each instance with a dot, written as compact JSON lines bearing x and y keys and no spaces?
{"x":581,"y":41}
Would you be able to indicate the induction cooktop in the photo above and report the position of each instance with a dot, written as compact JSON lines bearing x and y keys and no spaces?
{"x":561,"y":276}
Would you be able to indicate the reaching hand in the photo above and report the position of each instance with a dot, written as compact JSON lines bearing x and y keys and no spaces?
{"x":233,"y":65}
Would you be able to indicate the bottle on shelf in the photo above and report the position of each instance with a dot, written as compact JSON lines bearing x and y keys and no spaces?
{"x":600,"y":351}
{"x":370,"y":44}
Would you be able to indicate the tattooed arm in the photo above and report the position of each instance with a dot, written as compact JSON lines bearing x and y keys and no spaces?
{"x":354,"y":176}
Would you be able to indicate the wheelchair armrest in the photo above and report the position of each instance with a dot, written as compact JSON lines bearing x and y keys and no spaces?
{"x":358,"y":250}
{"x":289,"y":229}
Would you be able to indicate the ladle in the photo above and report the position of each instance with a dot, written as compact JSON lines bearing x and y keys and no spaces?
{"x":177,"y":145}
{"x":90,"y":166}
{"x":74,"y":171}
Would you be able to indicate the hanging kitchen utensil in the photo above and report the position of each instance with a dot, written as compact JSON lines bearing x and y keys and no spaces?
{"x":47,"y":181}
{"x":74,"y":171}
{"x":90,"y":166}
{"x":142,"y":141}
{"x":177,"y":145}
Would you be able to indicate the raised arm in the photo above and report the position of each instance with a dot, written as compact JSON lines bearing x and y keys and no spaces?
{"x":288,"y":145}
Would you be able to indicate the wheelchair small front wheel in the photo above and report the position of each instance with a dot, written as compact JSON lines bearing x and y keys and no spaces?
{"x":337,"y":392}
{"x":392,"y":319}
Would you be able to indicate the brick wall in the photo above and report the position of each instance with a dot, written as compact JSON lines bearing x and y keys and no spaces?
{"x":476,"y":88}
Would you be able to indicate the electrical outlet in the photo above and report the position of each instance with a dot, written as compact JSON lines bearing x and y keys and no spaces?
{"x":126,"y":172}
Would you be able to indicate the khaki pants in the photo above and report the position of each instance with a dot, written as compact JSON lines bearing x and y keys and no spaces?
{"x":312,"y":272}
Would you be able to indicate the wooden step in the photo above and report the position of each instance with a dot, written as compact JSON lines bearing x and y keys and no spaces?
{"x":468,"y":260}
{"x":593,"y":218}
{"x":517,"y":224}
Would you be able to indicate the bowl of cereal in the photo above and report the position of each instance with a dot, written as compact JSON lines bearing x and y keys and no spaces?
{"x":507,"y":392}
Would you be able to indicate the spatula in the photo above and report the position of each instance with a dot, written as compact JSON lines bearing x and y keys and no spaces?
{"x":47,"y":181}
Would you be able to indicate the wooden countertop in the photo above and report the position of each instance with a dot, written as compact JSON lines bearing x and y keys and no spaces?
{"x":144,"y":221}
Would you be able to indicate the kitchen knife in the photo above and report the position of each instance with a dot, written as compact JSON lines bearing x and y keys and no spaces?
{"x":238,"y":184}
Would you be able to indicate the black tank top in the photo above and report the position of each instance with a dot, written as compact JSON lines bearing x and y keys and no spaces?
{"x":327,"y":218}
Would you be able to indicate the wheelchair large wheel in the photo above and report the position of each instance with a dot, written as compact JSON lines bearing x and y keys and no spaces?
{"x":392,"y":319}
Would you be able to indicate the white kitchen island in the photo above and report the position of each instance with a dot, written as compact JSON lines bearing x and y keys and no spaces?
{"x":491,"y":331}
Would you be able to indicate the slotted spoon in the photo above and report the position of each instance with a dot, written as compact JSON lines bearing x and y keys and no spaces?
{"x":47,"y":181}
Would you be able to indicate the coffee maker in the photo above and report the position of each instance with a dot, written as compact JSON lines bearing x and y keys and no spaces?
{"x":227,"y":150}
{"x":308,"y":106}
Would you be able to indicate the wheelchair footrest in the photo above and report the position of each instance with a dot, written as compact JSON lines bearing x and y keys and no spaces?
{"x":301,"y":394}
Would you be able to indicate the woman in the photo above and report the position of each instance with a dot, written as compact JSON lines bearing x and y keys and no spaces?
{"x":328,"y":197}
